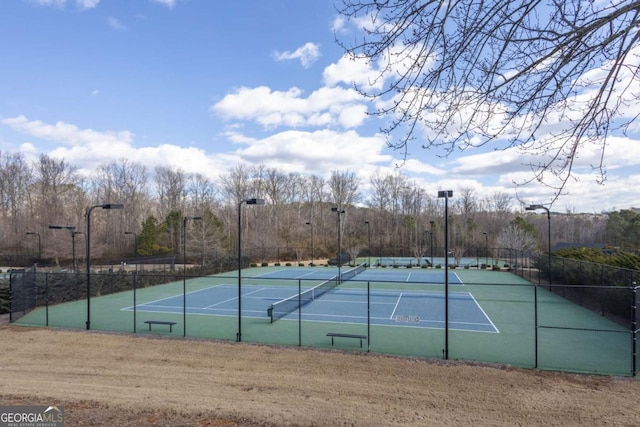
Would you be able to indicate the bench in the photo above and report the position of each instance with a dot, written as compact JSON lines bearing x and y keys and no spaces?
{"x":160,"y":322}
{"x":341,"y":335}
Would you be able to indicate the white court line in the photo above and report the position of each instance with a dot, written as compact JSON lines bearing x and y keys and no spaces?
{"x":234,"y":298}
{"x":173,"y":296}
{"x":485,"y":314}
{"x":266,"y":274}
{"x":396,"y":306}
{"x":459,"y":280}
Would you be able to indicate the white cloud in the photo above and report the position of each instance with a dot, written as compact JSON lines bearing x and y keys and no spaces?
{"x":307,"y":54}
{"x":115,"y":24}
{"x":323,"y":107}
{"x":81,"y":4}
{"x":87,"y":4}
{"x":169,"y":3}
{"x":65,"y":133}
{"x":352,"y":71}
{"x":338,"y":24}
{"x":87,"y":148}
{"x":56,"y":3}
{"x":318,"y":152}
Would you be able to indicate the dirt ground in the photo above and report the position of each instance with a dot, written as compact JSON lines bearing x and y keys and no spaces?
{"x":106,"y":379}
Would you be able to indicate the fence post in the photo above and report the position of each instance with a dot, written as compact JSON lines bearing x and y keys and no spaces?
{"x":300,"y":312}
{"x":535,"y":323}
{"x":46,"y":297}
{"x":135,"y":306}
{"x":634,"y":329}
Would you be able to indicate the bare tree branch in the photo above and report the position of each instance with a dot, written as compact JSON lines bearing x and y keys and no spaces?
{"x":549,"y":78}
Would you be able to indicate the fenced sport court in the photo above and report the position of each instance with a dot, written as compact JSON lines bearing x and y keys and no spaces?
{"x":480,"y":315}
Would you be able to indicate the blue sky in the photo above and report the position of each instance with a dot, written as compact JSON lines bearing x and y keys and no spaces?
{"x":203,"y":85}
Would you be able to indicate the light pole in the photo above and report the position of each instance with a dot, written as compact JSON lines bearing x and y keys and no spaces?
{"x":533,"y":208}
{"x":423,"y":243}
{"x":446,"y":194}
{"x":252,"y":201}
{"x":369,"y":238}
{"x":486,"y":246}
{"x":104,"y":206}
{"x":432,"y":223}
{"x":33,"y":233}
{"x":184,"y":270}
{"x":312,"y":252}
{"x":339,"y":212}
{"x":73,"y":240}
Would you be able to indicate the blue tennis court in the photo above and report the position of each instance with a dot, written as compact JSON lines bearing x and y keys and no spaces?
{"x":422,"y":309}
{"x":369,"y":275}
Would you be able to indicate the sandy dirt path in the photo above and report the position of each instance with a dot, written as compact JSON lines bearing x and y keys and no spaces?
{"x":120,"y":380}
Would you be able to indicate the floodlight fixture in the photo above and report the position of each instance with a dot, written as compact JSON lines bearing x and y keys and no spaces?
{"x":536,"y":207}
{"x":250,"y":201}
{"x":310,"y":224}
{"x":88,"y":255}
{"x":446,"y":194}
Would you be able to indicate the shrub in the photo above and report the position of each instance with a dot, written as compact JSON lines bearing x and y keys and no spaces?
{"x":253,"y":264}
{"x":265,"y":264}
{"x":425,"y":266}
{"x":438,"y":266}
{"x":288,"y":264}
{"x":301,"y":264}
{"x":496,"y":268}
{"x":277,"y":264}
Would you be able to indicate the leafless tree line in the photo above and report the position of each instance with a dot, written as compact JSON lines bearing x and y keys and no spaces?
{"x":296,"y":221}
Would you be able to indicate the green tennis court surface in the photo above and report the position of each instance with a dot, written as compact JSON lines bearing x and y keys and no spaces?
{"x":493,"y":316}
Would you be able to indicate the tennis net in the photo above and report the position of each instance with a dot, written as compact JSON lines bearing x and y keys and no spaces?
{"x":350,"y":274}
{"x":279,"y":309}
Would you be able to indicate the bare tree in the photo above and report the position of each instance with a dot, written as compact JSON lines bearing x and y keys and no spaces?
{"x":54,"y":178}
{"x":16,"y":177}
{"x":172,"y":189}
{"x":344,"y":188}
{"x":124,"y":181}
{"x":236,"y":183}
{"x":379,"y":198}
{"x":550,"y":78}
{"x":201,"y":192}
{"x":517,"y":235}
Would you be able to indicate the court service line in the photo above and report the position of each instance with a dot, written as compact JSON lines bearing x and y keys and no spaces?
{"x":396,"y":306}
{"x":180,"y":294}
{"x":234,"y":298}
